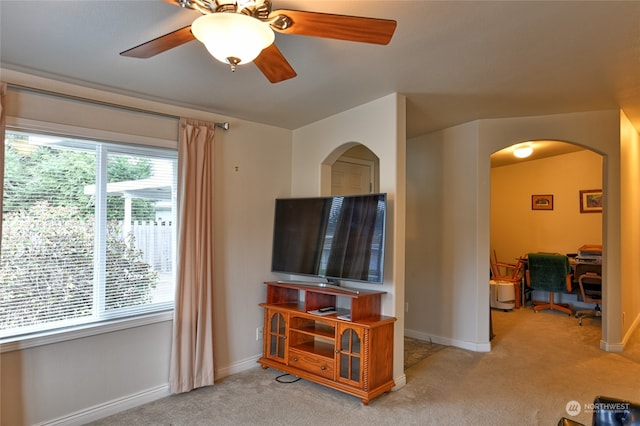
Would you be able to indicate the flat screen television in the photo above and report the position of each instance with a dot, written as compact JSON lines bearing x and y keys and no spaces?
{"x":334,"y":238}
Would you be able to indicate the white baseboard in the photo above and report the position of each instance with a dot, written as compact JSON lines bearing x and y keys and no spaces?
{"x":619,"y":347}
{"x":611,"y":347}
{"x":118,"y":405}
{"x":634,"y":324}
{"x":110,"y":408}
{"x":238,"y":367}
{"x":471,"y":346}
{"x":400,"y":382}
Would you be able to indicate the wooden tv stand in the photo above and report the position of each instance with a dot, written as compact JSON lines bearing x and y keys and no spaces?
{"x":353,"y":356}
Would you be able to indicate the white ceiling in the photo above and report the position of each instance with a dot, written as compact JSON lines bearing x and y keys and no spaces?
{"x":455,"y":61}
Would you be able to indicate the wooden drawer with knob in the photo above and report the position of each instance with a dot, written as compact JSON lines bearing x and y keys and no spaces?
{"x":312,"y":363}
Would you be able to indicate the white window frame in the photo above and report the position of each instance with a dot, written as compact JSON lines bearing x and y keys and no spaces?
{"x":75,"y":331}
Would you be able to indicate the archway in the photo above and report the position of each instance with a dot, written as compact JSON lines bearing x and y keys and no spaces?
{"x":557,"y":171}
{"x":354,"y":169}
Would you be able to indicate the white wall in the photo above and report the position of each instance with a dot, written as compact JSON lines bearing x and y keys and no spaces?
{"x":253,"y":168}
{"x":78,"y":380}
{"x":36,"y":105}
{"x":380,"y":126}
{"x":444,"y":220}
{"x":449,"y":218}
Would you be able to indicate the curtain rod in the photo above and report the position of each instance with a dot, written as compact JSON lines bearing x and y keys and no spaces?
{"x":223,"y":125}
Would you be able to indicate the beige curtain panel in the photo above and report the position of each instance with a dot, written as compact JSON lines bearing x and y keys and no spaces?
{"x":192,"y":347}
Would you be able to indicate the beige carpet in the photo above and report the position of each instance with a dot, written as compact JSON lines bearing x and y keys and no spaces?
{"x":538,"y":364}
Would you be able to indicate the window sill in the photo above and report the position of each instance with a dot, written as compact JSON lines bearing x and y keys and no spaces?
{"x":78,"y":332}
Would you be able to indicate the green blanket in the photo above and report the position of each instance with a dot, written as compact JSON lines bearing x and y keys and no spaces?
{"x":548,"y":271}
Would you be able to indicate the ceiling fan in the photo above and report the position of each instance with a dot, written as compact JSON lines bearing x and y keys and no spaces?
{"x":241,"y":31}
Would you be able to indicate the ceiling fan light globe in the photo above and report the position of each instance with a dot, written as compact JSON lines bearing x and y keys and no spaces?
{"x":232,"y":35}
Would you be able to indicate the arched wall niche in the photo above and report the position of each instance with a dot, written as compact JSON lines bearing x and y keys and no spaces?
{"x":349,"y":152}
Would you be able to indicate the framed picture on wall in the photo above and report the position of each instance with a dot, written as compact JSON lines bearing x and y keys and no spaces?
{"x":591,"y":201}
{"x":542,"y":202}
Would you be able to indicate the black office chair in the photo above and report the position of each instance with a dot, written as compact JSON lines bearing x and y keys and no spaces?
{"x":590,"y":284}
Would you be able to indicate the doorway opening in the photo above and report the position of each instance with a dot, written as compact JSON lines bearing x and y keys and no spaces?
{"x":557,"y":173}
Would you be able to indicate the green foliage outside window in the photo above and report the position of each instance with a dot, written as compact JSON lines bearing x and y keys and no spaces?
{"x":60,"y":175}
{"x":129,"y":281}
{"x":48,"y":243}
{"x":58,"y":246}
{"x":58,"y":282}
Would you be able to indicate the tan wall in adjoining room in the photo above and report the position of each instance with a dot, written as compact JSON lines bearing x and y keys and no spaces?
{"x":516,"y":229}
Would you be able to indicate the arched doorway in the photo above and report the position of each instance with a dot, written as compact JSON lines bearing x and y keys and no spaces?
{"x":559,"y":172}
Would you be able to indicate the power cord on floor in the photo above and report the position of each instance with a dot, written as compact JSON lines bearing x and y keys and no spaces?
{"x":279,"y":378}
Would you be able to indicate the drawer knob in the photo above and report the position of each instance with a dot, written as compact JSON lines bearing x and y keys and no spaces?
{"x":295,"y":359}
{"x":324,"y":367}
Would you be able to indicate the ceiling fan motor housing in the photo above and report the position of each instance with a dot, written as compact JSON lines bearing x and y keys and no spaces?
{"x":259,"y":9}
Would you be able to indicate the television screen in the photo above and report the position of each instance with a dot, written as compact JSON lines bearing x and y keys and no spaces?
{"x":337,"y":238}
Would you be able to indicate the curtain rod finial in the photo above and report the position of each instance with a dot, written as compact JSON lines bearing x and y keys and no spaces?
{"x":224,"y":126}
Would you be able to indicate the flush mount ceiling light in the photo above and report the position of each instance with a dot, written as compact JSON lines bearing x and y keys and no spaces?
{"x":523,"y":151}
{"x":233,"y":38}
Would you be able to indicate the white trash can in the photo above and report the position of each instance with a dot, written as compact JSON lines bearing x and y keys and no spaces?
{"x":503,"y":295}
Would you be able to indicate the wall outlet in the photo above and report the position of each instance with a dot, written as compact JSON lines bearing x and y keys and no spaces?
{"x":259,"y":332}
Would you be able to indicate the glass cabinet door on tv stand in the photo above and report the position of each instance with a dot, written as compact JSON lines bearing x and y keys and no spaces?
{"x":276,"y":334}
{"x":353,"y":355}
{"x":350,"y":354}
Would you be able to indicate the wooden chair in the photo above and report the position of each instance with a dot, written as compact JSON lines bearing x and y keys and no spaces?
{"x":552,"y":273}
{"x":507,"y":272}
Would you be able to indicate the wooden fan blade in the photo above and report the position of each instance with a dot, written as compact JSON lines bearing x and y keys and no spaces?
{"x":341,"y":27}
{"x":160,"y":44}
{"x":274,"y":65}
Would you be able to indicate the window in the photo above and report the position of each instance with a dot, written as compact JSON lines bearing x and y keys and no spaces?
{"x":88,"y":232}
